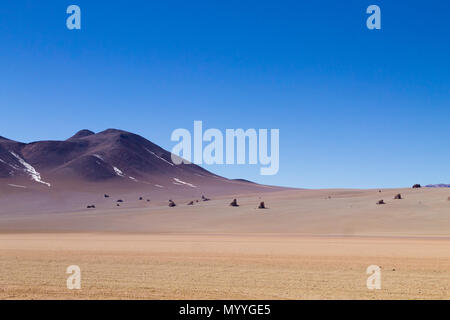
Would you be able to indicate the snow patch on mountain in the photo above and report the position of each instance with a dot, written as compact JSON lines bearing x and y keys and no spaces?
{"x":185,"y":183}
{"x":98,"y":156}
{"x":118,"y":171}
{"x":9,"y":164}
{"x":36,"y":176}
{"x":16,"y":186}
{"x":161,"y":158}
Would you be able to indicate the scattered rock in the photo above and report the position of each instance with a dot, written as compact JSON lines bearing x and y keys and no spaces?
{"x":148,"y":200}
{"x":398,"y":196}
{"x":234,"y":203}
{"x":106,"y":196}
{"x":171,"y":203}
{"x":117,"y":204}
{"x":205,"y":198}
{"x":119,"y":200}
{"x":379,"y":190}
{"x":191,"y":203}
{"x":416,"y":186}
{"x":381,"y":202}
{"x":140,"y":198}
{"x":91,"y":207}
{"x":262,"y":205}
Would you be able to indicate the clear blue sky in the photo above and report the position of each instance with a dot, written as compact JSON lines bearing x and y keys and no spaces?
{"x":355,"y":108}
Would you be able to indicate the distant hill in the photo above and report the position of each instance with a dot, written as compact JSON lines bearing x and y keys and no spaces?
{"x":441,"y":185}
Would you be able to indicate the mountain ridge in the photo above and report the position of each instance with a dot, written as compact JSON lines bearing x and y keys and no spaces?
{"x":115,"y":157}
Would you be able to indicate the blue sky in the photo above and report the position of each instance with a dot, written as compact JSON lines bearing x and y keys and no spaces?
{"x":356,"y":108}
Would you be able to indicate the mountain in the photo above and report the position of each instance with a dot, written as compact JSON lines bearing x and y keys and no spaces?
{"x":441,"y":185}
{"x":109,"y":160}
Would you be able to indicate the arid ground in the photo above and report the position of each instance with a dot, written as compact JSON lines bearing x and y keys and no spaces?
{"x":308,"y":244}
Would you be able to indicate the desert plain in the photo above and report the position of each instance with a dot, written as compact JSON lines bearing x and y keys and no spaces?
{"x":307,"y":244}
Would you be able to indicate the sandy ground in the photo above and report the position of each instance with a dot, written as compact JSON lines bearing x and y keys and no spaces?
{"x":221,"y":267}
{"x":423,"y":212}
{"x":307,"y":245}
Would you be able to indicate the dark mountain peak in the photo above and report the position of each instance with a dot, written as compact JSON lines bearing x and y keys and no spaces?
{"x":81,"y":134}
{"x":112,"y":131}
{"x":3,"y":138}
{"x":123,"y":138}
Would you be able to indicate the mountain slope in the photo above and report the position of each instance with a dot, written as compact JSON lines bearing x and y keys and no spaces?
{"x":112,"y":158}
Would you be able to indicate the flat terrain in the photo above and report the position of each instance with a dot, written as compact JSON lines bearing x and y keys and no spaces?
{"x":422,"y":212}
{"x":309,"y":244}
{"x":117,"y":266}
